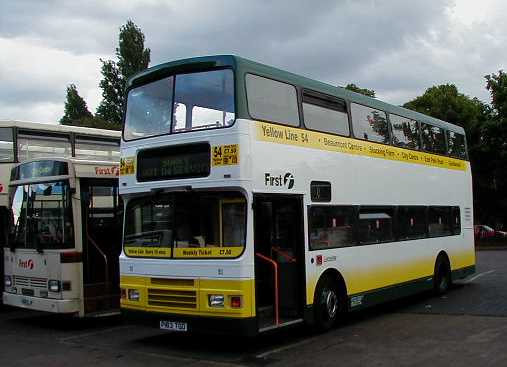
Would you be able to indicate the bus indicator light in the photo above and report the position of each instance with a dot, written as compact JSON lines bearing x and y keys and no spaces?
{"x":236,"y":301}
{"x":318,"y":259}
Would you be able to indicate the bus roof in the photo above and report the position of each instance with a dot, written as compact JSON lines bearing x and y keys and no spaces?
{"x":242,"y":65}
{"x":57,"y":128}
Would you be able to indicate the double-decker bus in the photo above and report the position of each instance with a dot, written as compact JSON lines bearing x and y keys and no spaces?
{"x":62,"y":196}
{"x":256,"y":199}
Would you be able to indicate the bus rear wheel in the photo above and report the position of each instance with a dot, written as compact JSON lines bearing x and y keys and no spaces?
{"x":442,"y":276}
{"x":327,"y":304}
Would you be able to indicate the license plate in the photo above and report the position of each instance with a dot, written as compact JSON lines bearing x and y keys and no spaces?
{"x":26,"y":302}
{"x":173,"y":326}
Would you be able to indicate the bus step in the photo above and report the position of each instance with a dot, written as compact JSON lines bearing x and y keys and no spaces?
{"x":283,"y":323}
{"x":106,"y":313}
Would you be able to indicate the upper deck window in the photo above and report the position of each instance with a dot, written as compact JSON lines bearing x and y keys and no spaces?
{"x":325,"y":113}
{"x":405,"y":132}
{"x":97,"y":149}
{"x":433,"y":139}
{"x":456,"y":143}
{"x":202,"y":100}
{"x":270,"y":100}
{"x":35,"y":145}
{"x":6,"y":145}
{"x":369,"y":124}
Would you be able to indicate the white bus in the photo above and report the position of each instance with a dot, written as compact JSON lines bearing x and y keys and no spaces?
{"x":257,"y":199}
{"x":21,"y":141}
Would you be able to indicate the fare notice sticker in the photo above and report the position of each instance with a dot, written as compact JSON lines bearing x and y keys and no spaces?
{"x":225,"y":155}
{"x":127,"y":166}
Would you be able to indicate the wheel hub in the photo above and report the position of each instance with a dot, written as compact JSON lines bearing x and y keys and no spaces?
{"x":331,"y":302}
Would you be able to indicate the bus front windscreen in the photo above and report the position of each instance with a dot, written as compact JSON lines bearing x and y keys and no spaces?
{"x":186,"y":225}
{"x":179,"y":103}
{"x":42,"y":216}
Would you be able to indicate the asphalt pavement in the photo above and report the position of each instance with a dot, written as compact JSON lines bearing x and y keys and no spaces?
{"x":466,"y":327}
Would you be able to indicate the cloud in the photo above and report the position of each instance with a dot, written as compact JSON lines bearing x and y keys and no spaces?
{"x":34,"y":79}
{"x":399,"y":48}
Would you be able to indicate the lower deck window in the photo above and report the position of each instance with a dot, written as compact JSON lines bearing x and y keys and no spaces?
{"x":439,"y":221}
{"x":411,"y":222}
{"x":331,"y":226}
{"x":342,"y":226}
{"x":375,"y":225}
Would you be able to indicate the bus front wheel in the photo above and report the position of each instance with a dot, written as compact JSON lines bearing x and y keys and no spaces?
{"x":327,"y":304}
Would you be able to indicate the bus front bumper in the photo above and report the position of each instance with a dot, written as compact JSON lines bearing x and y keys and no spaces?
{"x":195,"y":324}
{"x":42,"y":304}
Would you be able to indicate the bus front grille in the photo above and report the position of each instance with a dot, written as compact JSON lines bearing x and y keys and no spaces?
{"x":172,"y":298}
{"x":30,"y":282}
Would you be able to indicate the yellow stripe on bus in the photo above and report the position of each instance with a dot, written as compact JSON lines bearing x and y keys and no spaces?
{"x":311,"y":139}
{"x":163,"y":252}
{"x":187,"y":252}
{"x":207,"y":252}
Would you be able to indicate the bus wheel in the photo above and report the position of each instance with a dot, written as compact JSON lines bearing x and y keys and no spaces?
{"x":327,"y":304}
{"x":442,"y":276}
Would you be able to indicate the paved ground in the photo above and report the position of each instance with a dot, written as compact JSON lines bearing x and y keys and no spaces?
{"x":467,"y":327}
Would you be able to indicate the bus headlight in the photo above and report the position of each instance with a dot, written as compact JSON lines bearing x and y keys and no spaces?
{"x":7,"y":281}
{"x":54,"y":285}
{"x":216,"y":300}
{"x":134,"y":295}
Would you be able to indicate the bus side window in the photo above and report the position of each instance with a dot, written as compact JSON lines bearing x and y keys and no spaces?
{"x":375,"y":225}
{"x":411,"y":222}
{"x":405,"y":132}
{"x":331,"y":226}
{"x":456,"y":220}
{"x":369,"y":124}
{"x":433,"y":139}
{"x":456,"y":145}
{"x":439,"y":221}
{"x":270,"y":100}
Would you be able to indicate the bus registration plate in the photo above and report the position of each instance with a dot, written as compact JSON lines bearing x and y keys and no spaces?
{"x":172,"y":325}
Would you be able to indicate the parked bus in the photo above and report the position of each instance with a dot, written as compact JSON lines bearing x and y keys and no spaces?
{"x":21,"y":141}
{"x":257,"y":199}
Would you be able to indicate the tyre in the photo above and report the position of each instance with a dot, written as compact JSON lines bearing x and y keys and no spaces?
{"x":442,"y":276}
{"x":327,"y":304}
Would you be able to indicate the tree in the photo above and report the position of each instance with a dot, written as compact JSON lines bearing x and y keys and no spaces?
{"x":355,"y":88}
{"x":132,"y":58}
{"x":497,"y":86}
{"x":446,"y":103}
{"x":75,"y":107}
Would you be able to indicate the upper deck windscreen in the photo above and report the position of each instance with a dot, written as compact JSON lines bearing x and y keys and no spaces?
{"x":180,"y":103}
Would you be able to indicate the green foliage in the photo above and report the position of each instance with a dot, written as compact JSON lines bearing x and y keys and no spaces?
{"x":132,"y":58}
{"x":97,"y":123}
{"x":111,"y":106}
{"x":446,"y":103}
{"x":364,"y":91}
{"x":497,"y":86}
{"x":75,"y":107}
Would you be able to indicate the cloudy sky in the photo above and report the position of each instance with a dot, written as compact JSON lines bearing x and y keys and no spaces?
{"x":396,"y":47}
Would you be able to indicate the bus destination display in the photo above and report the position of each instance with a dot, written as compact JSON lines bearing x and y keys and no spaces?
{"x":182,"y":161}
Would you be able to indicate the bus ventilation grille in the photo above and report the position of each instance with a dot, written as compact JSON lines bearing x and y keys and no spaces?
{"x":30,"y":282}
{"x":172,"y":298}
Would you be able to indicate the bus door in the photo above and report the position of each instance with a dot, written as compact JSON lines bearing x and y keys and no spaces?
{"x":102,"y":228}
{"x":4,"y":230}
{"x":279,"y":259}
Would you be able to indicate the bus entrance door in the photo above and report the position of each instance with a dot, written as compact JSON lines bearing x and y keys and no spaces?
{"x":279,"y":259}
{"x":101,"y":218}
